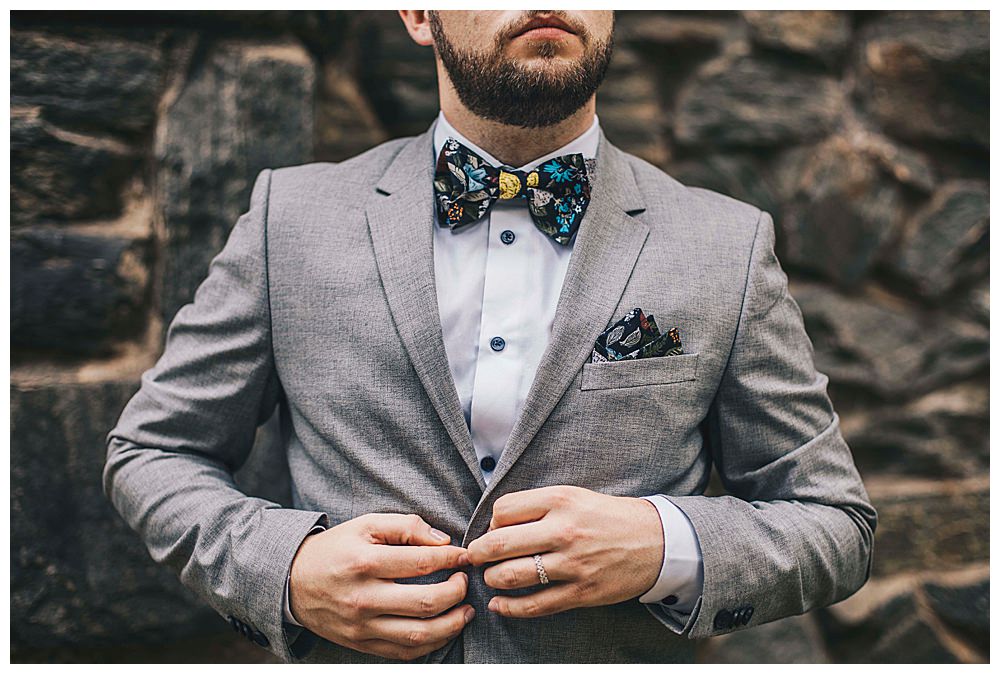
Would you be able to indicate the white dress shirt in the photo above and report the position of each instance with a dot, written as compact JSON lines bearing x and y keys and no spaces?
{"x":501,"y":277}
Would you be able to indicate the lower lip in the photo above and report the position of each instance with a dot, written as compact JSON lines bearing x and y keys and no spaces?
{"x":546,"y":33}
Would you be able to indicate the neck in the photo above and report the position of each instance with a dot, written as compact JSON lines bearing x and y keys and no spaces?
{"x":515,"y":145}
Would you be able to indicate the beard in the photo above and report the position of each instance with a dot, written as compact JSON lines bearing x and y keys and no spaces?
{"x":496,"y":87}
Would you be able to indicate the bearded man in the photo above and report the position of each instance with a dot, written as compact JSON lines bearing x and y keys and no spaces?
{"x":506,"y":356}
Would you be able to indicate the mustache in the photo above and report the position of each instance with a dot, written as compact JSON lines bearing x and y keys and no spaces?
{"x":516,"y":26}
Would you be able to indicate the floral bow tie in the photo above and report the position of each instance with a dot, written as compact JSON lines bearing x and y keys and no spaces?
{"x":466,"y":186}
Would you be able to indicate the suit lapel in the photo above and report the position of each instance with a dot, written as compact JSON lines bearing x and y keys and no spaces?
{"x":401,"y":218}
{"x":605,"y":251}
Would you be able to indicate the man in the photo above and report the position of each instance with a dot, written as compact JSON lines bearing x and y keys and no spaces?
{"x":462,"y":333}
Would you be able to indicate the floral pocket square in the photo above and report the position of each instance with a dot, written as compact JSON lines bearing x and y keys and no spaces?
{"x":635,"y":335}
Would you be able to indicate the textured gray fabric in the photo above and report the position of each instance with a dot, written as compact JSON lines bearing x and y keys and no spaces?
{"x":323,"y":302}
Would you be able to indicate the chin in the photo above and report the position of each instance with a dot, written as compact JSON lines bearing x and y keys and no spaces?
{"x":547,"y":51}
{"x":545,"y":60}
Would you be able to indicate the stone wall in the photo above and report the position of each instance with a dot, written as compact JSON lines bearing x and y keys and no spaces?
{"x":134,"y":141}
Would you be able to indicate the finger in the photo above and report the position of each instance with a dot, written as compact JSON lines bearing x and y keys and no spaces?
{"x":522,"y":572}
{"x":420,"y":601}
{"x":412,"y":561}
{"x":542,"y":603}
{"x":519,"y":540}
{"x":525,"y":506}
{"x":420,"y":632}
{"x":393,"y":651}
{"x":394,"y":529}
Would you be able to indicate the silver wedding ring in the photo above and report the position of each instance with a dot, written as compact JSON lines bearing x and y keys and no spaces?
{"x":543,"y":578}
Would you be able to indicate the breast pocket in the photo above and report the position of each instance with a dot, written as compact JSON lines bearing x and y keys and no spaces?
{"x":640,"y":372}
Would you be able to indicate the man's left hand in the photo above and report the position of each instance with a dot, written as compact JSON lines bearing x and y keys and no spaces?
{"x":596,"y":549}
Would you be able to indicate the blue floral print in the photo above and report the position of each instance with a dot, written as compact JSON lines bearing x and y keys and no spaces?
{"x":557,"y":194}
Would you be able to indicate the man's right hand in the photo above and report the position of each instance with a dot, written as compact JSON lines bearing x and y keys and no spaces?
{"x":342,"y":586}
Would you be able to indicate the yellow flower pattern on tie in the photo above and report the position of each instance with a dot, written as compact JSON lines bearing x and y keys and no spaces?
{"x":510,"y":185}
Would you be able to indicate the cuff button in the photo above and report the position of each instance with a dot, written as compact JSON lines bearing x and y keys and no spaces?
{"x":723,"y":620}
{"x":669,"y":600}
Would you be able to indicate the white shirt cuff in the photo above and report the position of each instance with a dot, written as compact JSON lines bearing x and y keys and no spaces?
{"x":681,"y":576}
{"x":289,"y":618}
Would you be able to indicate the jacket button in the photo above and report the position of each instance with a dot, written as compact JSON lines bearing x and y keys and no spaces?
{"x":261,"y":640}
{"x":747,"y":614}
{"x":723,"y":620}
{"x":488,"y":463}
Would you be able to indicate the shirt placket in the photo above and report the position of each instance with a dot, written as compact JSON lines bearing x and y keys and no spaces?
{"x":502,"y":336}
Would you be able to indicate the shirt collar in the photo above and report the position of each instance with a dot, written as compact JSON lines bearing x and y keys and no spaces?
{"x":585,"y":144}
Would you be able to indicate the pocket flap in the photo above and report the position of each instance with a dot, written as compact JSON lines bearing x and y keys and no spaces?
{"x":640,"y":371}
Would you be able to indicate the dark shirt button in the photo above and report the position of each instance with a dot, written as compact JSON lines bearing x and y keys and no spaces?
{"x":497,"y":343}
{"x":488,"y":463}
{"x":669,"y":600}
{"x":507,"y":236}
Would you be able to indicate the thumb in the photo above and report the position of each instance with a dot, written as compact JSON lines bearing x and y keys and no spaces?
{"x":393,"y":529}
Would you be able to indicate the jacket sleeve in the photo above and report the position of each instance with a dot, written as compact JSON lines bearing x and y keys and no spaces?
{"x":795,"y":531}
{"x":171,"y":456}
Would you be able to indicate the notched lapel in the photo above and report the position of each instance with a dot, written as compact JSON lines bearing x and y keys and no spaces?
{"x":400,"y":219}
{"x":605,"y":252}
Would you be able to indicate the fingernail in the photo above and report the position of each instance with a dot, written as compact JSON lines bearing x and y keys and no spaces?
{"x":469,"y":614}
{"x":440,"y":535}
{"x":493,"y":604}
{"x":463,"y":559}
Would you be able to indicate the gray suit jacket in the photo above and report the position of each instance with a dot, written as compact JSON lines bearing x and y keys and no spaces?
{"x":323,"y":304}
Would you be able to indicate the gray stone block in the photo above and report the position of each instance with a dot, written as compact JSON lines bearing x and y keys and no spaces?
{"x":925,"y":75}
{"x":58,"y":176}
{"x":884,"y":348}
{"x":931,"y":527}
{"x":817,"y":33}
{"x":681,"y":30}
{"x":975,"y":302}
{"x":79,"y":575}
{"x":872,"y":628}
{"x":741,"y":175}
{"x":74,"y":293}
{"x":245,"y":107}
{"x":947,"y":243}
{"x":944,"y":434}
{"x":347,"y":124}
{"x":743,"y":100}
{"x":629,"y":107}
{"x":965,"y":608}
{"x":397,"y":75}
{"x":109,"y":83}
{"x":906,"y":637}
{"x":841,"y":208}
